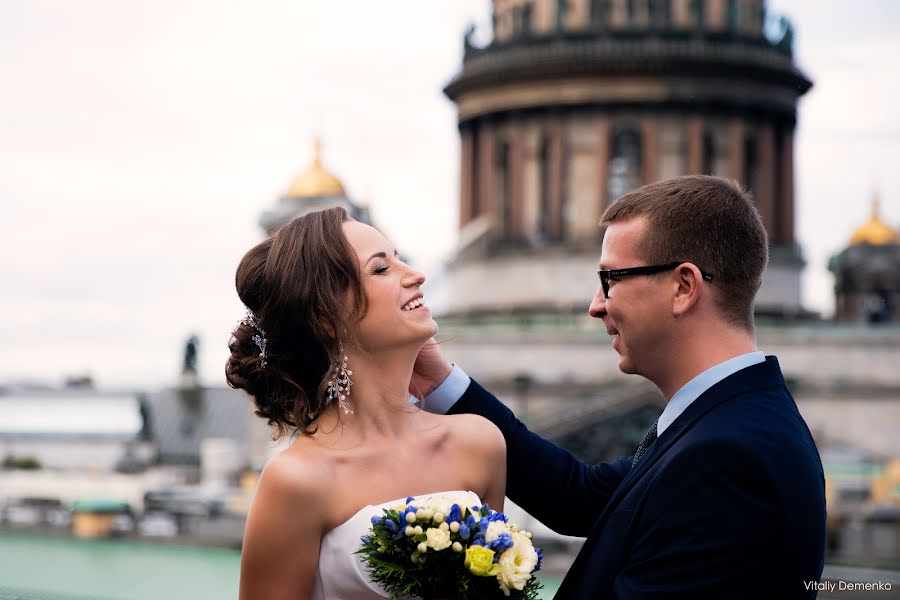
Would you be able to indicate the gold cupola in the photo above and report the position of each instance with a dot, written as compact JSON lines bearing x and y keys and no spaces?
{"x":316,"y":181}
{"x":875,"y":232}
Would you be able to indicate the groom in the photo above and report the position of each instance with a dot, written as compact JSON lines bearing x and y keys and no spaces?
{"x":725,"y":496}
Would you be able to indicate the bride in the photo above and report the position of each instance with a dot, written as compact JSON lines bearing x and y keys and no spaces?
{"x":334,"y":325}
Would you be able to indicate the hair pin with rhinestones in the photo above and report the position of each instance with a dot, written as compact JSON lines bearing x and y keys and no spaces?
{"x":259,"y":338}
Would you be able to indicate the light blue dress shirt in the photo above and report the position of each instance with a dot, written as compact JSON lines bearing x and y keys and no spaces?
{"x":694,"y":388}
{"x":442,"y":399}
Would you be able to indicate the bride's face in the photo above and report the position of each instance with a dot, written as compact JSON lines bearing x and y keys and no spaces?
{"x":396,"y":314}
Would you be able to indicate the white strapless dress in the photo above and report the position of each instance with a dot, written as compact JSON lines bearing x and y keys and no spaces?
{"x":341,"y":574}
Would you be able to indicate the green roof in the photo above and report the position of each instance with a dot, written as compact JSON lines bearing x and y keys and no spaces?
{"x":100,"y":505}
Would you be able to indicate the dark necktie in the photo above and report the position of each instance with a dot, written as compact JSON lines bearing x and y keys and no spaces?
{"x":648,"y":440}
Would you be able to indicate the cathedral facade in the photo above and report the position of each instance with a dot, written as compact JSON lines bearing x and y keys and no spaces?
{"x":573,"y":103}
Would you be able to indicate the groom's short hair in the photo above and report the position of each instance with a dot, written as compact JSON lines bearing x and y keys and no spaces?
{"x":709,"y":221}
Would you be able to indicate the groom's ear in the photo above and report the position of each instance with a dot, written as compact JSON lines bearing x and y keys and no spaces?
{"x":688,"y":280}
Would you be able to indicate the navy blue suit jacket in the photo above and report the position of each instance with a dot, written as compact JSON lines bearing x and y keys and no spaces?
{"x":729,"y":502}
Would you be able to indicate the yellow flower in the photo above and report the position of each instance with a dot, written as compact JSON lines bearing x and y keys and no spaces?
{"x":480,"y":561}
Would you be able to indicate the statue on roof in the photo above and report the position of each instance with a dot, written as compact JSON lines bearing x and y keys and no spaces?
{"x":189,"y":366}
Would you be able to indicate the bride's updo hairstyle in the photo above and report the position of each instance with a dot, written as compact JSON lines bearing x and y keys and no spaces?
{"x":303,"y":286}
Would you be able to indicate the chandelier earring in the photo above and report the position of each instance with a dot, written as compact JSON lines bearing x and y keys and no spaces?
{"x":339,"y":385}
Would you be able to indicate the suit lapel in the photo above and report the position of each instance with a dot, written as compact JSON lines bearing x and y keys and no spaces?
{"x":763,"y":375}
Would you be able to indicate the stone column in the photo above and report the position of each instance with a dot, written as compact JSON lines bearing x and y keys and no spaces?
{"x":466,"y":191}
{"x":682,"y":16}
{"x":516,"y":165}
{"x":486,"y":171}
{"x":736,"y":150}
{"x":716,"y":17}
{"x":765,"y":192}
{"x":601,"y":128}
{"x":649,"y":149}
{"x":786,"y":195}
{"x":555,"y":158}
{"x":577,"y":15}
{"x":694,"y":145}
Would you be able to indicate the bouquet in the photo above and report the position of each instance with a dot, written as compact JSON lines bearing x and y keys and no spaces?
{"x":442,"y":548}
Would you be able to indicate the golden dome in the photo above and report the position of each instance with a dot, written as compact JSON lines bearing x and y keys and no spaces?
{"x":315,"y":181}
{"x":875,"y":232}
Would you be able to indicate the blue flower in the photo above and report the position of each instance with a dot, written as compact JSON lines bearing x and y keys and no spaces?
{"x":376,"y":520}
{"x":478,"y":540}
{"x":488,"y":519}
{"x":464,"y":531}
{"x":500,"y":545}
{"x":410,"y":499}
{"x":455,"y":514}
{"x":540,"y":558}
{"x":392,"y":525}
{"x":365,"y":539}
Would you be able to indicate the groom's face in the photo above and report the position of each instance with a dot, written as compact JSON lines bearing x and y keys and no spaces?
{"x":636,"y":313}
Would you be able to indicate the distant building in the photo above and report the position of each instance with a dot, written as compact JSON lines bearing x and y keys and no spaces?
{"x":573,"y":104}
{"x":193,"y":424}
{"x":210,"y":431}
{"x":867,"y":274}
{"x":314,"y":189}
{"x":80,"y":429}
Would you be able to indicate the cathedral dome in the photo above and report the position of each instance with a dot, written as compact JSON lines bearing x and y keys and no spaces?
{"x":875,"y":232}
{"x":316,"y":181}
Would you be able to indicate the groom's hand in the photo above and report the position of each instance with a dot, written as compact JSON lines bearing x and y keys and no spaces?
{"x":430,"y":370}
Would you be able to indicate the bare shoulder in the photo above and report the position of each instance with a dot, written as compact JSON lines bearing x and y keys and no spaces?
{"x":475,"y":431}
{"x":293,"y":476}
{"x":483,"y":453}
{"x":284,"y":527}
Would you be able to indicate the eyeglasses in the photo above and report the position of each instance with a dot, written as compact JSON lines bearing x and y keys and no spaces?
{"x":607,"y":274}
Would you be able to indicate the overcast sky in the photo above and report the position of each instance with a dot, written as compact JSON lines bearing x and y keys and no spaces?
{"x":139,"y":142}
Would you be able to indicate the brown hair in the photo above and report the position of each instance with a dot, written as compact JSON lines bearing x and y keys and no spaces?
{"x":709,"y":221}
{"x":296,"y":282}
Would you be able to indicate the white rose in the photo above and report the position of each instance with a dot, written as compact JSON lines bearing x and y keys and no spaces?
{"x":443,"y":504}
{"x":495,"y":528}
{"x":437,"y":538}
{"x":517,"y":563}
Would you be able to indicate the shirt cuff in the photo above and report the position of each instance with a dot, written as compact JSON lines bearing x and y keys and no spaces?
{"x":442,"y":399}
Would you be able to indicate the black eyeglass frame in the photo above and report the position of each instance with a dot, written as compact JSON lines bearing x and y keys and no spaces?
{"x":607,"y":274}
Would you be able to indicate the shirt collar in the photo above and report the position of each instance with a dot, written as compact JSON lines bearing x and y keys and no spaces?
{"x":694,"y":388}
